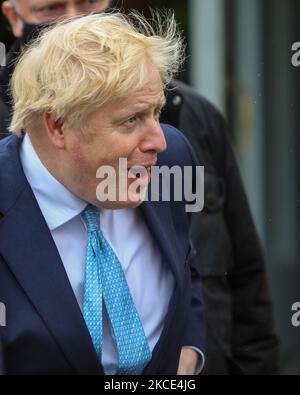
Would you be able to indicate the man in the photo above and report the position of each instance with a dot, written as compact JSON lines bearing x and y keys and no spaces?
{"x":75,"y":291}
{"x":24,"y":17}
{"x":240,"y":329}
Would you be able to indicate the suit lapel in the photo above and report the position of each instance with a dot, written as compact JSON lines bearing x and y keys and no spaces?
{"x":27,"y":247}
{"x":159,"y":220}
{"x":160,"y":223}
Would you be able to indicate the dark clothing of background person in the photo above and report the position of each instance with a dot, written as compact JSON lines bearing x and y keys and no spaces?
{"x":240,"y":330}
{"x":5,"y":98}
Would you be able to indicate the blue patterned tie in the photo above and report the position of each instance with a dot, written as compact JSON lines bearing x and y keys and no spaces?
{"x":105,"y":281}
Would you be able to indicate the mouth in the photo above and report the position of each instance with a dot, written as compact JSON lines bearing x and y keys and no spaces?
{"x":141,"y":173}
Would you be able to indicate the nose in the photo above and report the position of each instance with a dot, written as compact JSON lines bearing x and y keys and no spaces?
{"x":154,"y":139}
{"x":72,"y":11}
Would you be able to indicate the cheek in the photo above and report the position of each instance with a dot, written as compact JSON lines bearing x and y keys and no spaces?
{"x":103,"y":5}
{"x":83,"y":153}
{"x":128,"y":147}
{"x":80,"y":162}
{"x":78,"y":154}
{"x":86,"y":159}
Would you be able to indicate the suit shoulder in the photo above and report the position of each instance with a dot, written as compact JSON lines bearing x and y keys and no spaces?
{"x":173,"y":134}
{"x":6,"y":141}
{"x":179,"y":149}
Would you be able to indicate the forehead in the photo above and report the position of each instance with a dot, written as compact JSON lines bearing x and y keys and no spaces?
{"x":148,"y":97}
{"x":150,"y":94}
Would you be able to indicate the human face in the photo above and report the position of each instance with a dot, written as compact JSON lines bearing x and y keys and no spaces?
{"x":127,"y":128}
{"x":45,"y":11}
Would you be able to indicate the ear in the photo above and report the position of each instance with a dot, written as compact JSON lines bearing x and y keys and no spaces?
{"x":13,"y":19}
{"x":55,"y":130}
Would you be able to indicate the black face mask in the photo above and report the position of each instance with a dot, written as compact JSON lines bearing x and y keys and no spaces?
{"x":31,"y":31}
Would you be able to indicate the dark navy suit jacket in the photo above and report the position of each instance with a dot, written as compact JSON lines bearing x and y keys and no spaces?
{"x":45,"y":331}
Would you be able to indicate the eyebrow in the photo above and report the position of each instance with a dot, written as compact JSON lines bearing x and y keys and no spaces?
{"x":138,"y":108}
{"x":135,"y":109}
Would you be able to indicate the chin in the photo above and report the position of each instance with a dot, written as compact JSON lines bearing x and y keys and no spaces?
{"x":118,"y":205}
{"x":133,"y":200}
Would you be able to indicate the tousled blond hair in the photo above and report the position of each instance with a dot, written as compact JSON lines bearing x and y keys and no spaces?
{"x":80,"y":65}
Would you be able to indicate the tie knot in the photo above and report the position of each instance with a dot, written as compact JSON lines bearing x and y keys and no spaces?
{"x":90,"y":216}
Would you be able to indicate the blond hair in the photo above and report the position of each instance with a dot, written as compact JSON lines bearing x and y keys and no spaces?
{"x":80,"y":65}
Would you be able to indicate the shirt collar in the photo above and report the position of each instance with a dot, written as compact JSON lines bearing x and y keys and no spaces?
{"x":57,"y":203}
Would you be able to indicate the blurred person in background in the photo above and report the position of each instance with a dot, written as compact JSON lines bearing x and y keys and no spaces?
{"x":228,"y":253}
{"x":27,"y":18}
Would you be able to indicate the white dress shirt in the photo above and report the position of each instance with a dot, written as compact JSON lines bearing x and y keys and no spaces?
{"x":141,"y":259}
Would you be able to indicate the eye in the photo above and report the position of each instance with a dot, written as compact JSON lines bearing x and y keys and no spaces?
{"x":50,"y":8}
{"x":89,"y":3}
{"x":131,"y":121}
